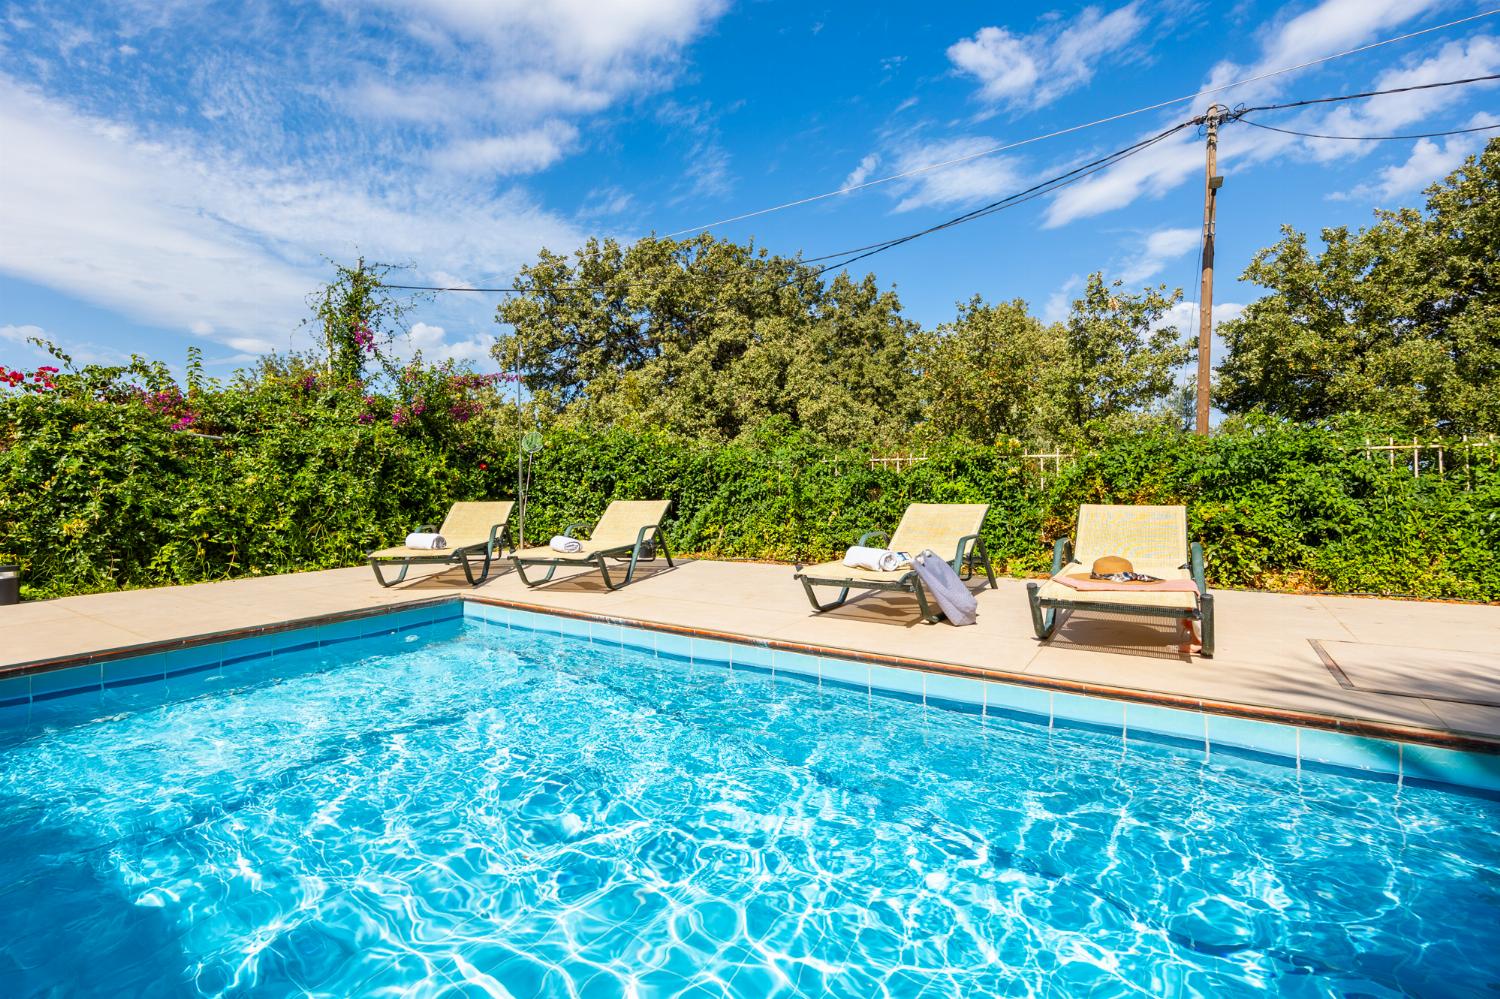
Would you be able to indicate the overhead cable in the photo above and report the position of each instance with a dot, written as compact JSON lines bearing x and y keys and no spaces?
{"x":850,"y":188}
{"x":1368,"y":138}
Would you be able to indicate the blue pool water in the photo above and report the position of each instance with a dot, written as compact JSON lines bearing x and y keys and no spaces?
{"x":466,"y":810}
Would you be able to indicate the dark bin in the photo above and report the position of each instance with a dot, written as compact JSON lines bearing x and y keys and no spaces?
{"x":10,"y":584}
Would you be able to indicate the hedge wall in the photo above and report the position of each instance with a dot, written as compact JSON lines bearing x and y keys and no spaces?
{"x":98,"y":496}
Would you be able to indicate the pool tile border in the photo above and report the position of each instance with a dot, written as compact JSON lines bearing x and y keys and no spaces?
{"x":1319,"y":741}
{"x":1336,"y":748}
{"x":42,"y":680}
{"x":676,"y":641}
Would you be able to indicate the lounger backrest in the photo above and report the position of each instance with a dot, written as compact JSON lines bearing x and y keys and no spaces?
{"x":470,"y":523}
{"x":1144,"y":534}
{"x":937,"y":526}
{"x":623,"y":520}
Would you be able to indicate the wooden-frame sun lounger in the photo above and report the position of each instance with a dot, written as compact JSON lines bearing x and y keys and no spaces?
{"x":471,"y":529}
{"x":1154,"y":539}
{"x":942,"y":527}
{"x":629,"y":529}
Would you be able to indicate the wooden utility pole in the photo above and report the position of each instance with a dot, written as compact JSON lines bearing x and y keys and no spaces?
{"x":1211,"y":184}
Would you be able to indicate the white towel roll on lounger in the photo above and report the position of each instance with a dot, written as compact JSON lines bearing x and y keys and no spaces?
{"x":565,"y":544}
{"x":426,"y":540}
{"x":877,"y":559}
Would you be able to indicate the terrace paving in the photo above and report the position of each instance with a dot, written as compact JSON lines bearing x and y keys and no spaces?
{"x":1445,"y":657}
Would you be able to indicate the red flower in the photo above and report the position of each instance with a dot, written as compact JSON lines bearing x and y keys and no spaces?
{"x":483,"y":466}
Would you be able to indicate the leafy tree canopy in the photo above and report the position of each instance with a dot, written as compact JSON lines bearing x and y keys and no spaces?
{"x":708,"y":337}
{"x":1400,"y":321}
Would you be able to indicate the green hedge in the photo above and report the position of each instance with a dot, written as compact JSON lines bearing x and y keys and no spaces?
{"x":98,"y":495}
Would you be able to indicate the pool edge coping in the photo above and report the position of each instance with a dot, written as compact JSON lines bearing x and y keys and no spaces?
{"x":1444,"y":739}
{"x":1302,"y":719}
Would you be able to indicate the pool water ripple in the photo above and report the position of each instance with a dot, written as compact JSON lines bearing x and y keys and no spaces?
{"x":467,"y":810}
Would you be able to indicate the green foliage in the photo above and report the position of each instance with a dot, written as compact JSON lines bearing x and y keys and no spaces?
{"x":1398,"y":321}
{"x":356,"y":318}
{"x":707,"y":338}
{"x":282,"y":471}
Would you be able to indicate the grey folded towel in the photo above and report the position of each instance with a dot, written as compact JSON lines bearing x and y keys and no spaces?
{"x":944,"y":586}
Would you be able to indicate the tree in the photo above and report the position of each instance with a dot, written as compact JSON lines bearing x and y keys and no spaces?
{"x":1400,"y":321}
{"x":1119,"y":358}
{"x":708,"y":338}
{"x":992,"y":372}
{"x":356,"y":318}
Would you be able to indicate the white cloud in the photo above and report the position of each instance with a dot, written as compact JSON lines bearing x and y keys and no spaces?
{"x":977,"y":180}
{"x":858,"y":174}
{"x":520,"y":152}
{"x":1395,"y":113}
{"x":436,"y":345}
{"x":1329,"y":27}
{"x":21,"y":334}
{"x":1153,"y":171}
{"x":1030,"y":70}
{"x":1184,"y":318}
{"x":1158,"y":249}
{"x":1060,"y":302}
{"x":1429,"y":161}
{"x":27,"y":352}
{"x":1322,"y":30}
{"x":190,"y":239}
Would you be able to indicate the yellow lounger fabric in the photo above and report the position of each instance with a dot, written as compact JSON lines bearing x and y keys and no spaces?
{"x":466,"y":526}
{"x":620,"y":527}
{"x":1153,"y":538}
{"x":938,"y":526}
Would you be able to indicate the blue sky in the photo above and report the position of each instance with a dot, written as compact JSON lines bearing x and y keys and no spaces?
{"x":177,"y":172}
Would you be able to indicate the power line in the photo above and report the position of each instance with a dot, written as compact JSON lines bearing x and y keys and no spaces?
{"x":1010,"y":201}
{"x":426,"y":287}
{"x":1368,"y":138}
{"x":1076,"y":128}
{"x":1109,"y":160}
{"x":1368,"y":93}
{"x":843,"y":258}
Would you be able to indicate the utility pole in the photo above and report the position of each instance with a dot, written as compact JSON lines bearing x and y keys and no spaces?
{"x":1211,"y":184}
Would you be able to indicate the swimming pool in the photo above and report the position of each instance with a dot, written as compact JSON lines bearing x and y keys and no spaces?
{"x":456,"y":805}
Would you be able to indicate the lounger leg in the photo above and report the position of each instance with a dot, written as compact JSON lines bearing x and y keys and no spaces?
{"x":380,"y":578}
{"x":926,"y":611}
{"x":469,"y":570}
{"x":1206,"y":610}
{"x":984,"y":555}
{"x":521,"y":571}
{"x":812,"y":598}
{"x":1042,"y":623}
{"x":604,"y":571}
{"x":661,"y":542}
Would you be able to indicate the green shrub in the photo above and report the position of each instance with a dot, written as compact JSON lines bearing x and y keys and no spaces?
{"x":116,"y":479}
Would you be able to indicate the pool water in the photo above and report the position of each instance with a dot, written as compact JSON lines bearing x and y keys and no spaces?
{"x":466,"y":810}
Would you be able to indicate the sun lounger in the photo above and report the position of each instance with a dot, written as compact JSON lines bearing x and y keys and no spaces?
{"x":471,"y":530}
{"x":942,"y":527}
{"x":629,"y":529}
{"x":1154,"y":539}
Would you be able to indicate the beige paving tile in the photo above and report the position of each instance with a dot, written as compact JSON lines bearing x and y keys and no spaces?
{"x":1264,"y":657}
{"x":33,"y":613}
{"x":1450,"y":674}
{"x":1471,"y":627}
{"x":76,"y":636}
{"x":1296,"y":684}
{"x":1470,"y":719}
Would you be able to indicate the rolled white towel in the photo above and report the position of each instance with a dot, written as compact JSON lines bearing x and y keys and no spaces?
{"x":877,"y":559}
{"x":426,"y":540}
{"x":565,"y":544}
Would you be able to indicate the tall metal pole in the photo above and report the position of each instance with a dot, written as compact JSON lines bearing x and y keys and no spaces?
{"x":1211,"y":184}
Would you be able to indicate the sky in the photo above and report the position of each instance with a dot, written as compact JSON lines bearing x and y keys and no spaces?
{"x":178,"y":172}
